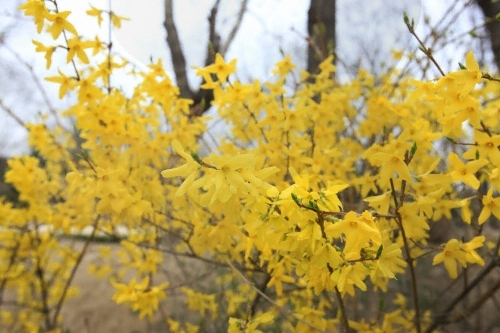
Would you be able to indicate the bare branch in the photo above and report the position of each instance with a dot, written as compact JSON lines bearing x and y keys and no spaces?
{"x":174,"y":44}
{"x":213,"y":44}
{"x":13,"y":115}
{"x":235,"y":28}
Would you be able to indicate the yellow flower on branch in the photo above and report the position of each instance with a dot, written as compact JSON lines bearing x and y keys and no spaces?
{"x":95,"y":12}
{"x":76,"y":47}
{"x":284,"y":66}
{"x":470,"y":254}
{"x":66,"y":83}
{"x":392,"y":164}
{"x":465,"y":172}
{"x":391,"y":261}
{"x":490,"y":206}
{"x":59,"y":23}
{"x":187,"y":170}
{"x":469,"y":77}
{"x":49,"y":50}
{"x":357,"y":230}
{"x":117,"y":20}
{"x":37,"y":9}
{"x":128,"y":292}
{"x":451,"y":253}
{"x":487,"y":146}
{"x":221,"y":68}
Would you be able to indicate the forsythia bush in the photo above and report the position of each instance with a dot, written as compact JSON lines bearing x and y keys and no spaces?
{"x":318,"y":190}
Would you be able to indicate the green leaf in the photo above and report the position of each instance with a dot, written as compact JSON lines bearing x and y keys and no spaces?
{"x":196,"y":157}
{"x":472,"y":33}
{"x":462,"y":66}
{"x":413,"y":149}
{"x":497,"y":17}
{"x":379,"y":251}
{"x":313,"y":205}
{"x":296,"y":199}
{"x":406,"y":19}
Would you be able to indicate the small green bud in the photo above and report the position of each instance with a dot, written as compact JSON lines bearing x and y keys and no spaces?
{"x":413,"y":149}
{"x":379,"y":251}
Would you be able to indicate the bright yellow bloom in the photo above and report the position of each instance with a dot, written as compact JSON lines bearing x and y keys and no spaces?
{"x":129,"y":292}
{"x":66,"y":83}
{"x":59,"y":23}
{"x":391,"y":261}
{"x":357,"y":230}
{"x":284,"y":66}
{"x":187,"y":170}
{"x":487,"y":146}
{"x":49,"y":50}
{"x":471,"y":255}
{"x":392,"y":164}
{"x":346,"y":277}
{"x":76,"y":48}
{"x":468,"y":78}
{"x":37,"y":9}
{"x":451,"y":253}
{"x":490,"y":206}
{"x":465,"y":172}
{"x":221,"y":68}
{"x":117,"y":20}
{"x":95,"y":12}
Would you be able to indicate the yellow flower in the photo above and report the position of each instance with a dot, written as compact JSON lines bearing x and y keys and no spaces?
{"x":128,"y":292}
{"x":470,"y":254}
{"x":49,"y":50}
{"x":221,"y":68}
{"x":95,"y":12}
{"x":356,"y":229}
{"x":451,"y":253}
{"x":66,"y":83}
{"x":59,"y":23}
{"x":284,"y":66}
{"x":465,"y":172}
{"x":37,"y":9}
{"x":490,"y":206}
{"x":391,"y":261}
{"x":76,"y":47}
{"x":117,"y":20}
{"x":469,"y":77}
{"x":487,"y":146}
{"x":390,"y":165}
{"x":187,"y":170}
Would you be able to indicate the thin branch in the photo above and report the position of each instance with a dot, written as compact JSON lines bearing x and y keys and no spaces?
{"x":424,"y":48}
{"x":75,"y":268}
{"x":409,"y":258}
{"x":284,"y":311}
{"x":13,"y":115}
{"x":38,"y":84}
{"x":235,"y":28}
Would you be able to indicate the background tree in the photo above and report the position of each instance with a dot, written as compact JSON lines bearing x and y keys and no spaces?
{"x":321,"y":29}
{"x":215,"y":44}
{"x":490,"y":10}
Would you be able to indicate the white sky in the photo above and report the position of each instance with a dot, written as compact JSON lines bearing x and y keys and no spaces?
{"x":364,"y":27}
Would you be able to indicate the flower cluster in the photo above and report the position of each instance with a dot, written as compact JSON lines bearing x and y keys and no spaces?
{"x":309,"y":197}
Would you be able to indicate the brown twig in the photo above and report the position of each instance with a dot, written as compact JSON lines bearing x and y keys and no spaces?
{"x":409,"y":259}
{"x":284,"y":311}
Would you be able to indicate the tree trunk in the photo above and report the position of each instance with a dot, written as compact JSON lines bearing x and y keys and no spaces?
{"x":490,"y":9}
{"x":321,"y":22}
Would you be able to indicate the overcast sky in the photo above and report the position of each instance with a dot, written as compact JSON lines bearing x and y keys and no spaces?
{"x":364,"y":28}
